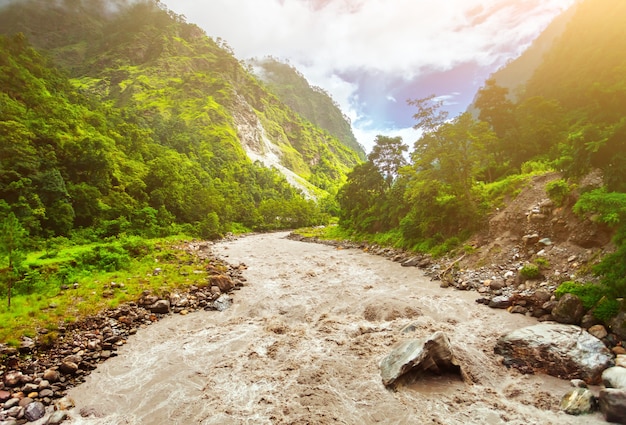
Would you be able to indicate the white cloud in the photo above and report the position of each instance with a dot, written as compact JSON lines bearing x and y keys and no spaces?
{"x":328,"y":39}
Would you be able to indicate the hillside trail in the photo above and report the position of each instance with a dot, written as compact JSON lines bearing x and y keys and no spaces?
{"x":302,"y":345}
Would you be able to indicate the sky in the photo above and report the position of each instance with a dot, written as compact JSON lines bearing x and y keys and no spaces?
{"x":374,"y":55}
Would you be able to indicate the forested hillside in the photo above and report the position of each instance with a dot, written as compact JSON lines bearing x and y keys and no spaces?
{"x":570,"y":117}
{"x":122,"y":117}
{"x":313,"y":103}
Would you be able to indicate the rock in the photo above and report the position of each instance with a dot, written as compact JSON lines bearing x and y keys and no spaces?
{"x":433,"y":354}
{"x":564,"y":351}
{"x":4,"y":396}
{"x":578,"y":383}
{"x":26,"y":345}
{"x":160,"y":307}
{"x":411,"y":262}
{"x":589,"y":320}
{"x":57,"y":417}
{"x":518,"y":309}
{"x":496,"y":285}
{"x":34,"y":411}
{"x":530,"y":239}
{"x":569,"y":310}
{"x":13,"y":378}
{"x":225,"y":283}
{"x":617,"y":350}
{"x":222,"y":303}
{"x":579,"y":401}
{"x":614,"y":377}
{"x":11,"y":403}
{"x":25,"y":401}
{"x":501,"y":301}
{"x":618,"y":325}
{"x":598,"y":331}
{"x":613,"y":405}
{"x":68,"y":368}
{"x":620,"y":360}
{"x":65,"y":403}
{"x":540,"y":297}
{"x":545,"y":242}
{"x":46,"y":393}
{"x":51,"y":375}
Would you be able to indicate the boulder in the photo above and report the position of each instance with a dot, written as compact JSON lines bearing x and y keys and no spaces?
{"x":501,"y":301}
{"x":34,"y":411}
{"x":613,"y":405}
{"x":614,"y":377}
{"x":160,"y":307}
{"x":433,"y":355}
{"x":568,"y":310}
{"x":564,"y":351}
{"x":578,"y":401}
{"x":223,"y":282}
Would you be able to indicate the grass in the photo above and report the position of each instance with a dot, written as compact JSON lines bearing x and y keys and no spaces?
{"x":90,"y":290}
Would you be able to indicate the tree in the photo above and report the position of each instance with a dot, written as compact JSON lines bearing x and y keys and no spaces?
{"x":12,"y":238}
{"x":388,"y":156}
{"x":494,"y":107}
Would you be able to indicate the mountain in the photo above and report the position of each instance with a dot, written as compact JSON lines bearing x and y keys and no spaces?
{"x":311,"y":102}
{"x":122,"y":112}
{"x":516,"y":73}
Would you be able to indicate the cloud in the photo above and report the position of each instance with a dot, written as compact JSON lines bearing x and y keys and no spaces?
{"x":358,"y":49}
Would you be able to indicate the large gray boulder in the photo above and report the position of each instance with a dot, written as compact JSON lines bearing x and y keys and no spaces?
{"x":613,"y":405}
{"x":433,"y":354}
{"x":564,"y":351}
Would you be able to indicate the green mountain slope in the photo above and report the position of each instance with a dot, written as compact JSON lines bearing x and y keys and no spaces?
{"x":313,"y":103}
{"x":156,"y":122}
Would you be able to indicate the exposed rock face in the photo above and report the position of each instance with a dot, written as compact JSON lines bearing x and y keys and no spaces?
{"x":433,"y":354}
{"x":569,"y":310}
{"x":564,"y":351}
{"x":579,"y":401}
{"x":613,"y":405}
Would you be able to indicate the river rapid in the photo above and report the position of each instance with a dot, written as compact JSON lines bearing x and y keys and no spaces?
{"x":302,"y":344}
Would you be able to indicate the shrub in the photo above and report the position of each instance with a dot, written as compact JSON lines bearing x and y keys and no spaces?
{"x":558,"y":190}
{"x":588,"y":293}
{"x":606,"y":309}
{"x":530,"y":271}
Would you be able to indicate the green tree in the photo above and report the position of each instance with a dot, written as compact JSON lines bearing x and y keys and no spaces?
{"x":388,"y":156}
{"x":12,"y":239}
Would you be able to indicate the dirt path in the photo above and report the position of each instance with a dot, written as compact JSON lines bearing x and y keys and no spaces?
{"x":302,"y":343}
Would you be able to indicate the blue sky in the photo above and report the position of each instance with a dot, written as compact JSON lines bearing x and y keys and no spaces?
{"x":373,"y":55}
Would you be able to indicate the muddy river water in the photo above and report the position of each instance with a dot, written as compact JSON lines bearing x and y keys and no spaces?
{"x":302,"y":344}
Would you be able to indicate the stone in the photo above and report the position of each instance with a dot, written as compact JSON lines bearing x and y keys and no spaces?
{"x":160,"y":307}
{"x":598,"y":331}
{"x":496,"y":285}
{"x":411,"y":262}
{"x":578,"y":383}
{"x":433,"y":354}
{"x":613,"y":405}
{"x":530,"y":239}
{"x":579,"y":401}
{"x":25,"y":401}
{"x":617,"y":350}
{"x":4,"y":396}
{"x":57,"y":417}
{"x":564,"y":351}
{"x":34,"y":411}
{"x":614,"y":377}
{"x":225,"y":283}
{"x":501,"y":301}
{"x":518,"y":309}
{"x":222,"y":303}
{"x":12,"y":402}
{"x":13,"y":378}
{"x":65,"y":403}
{"x":569,"y":310}
{"x":68,"y":368}
{"x":620,"y":360}
{"x":46,"y":393}
{"x":51,"y":375}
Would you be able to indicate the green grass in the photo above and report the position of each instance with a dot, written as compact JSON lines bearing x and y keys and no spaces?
{"x":49,"y":305}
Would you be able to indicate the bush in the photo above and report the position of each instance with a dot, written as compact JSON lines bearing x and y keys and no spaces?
{"x":558,"y":190}
{"x":606,"y":309}
{"x":105,"y":258}
{"x":588,"y":293}
{"x":530,"y":271}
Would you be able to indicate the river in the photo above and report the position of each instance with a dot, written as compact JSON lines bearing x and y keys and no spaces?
{"x":302,"y":344}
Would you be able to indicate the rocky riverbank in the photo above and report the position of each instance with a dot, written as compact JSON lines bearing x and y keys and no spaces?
{"x":35,"y":377}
